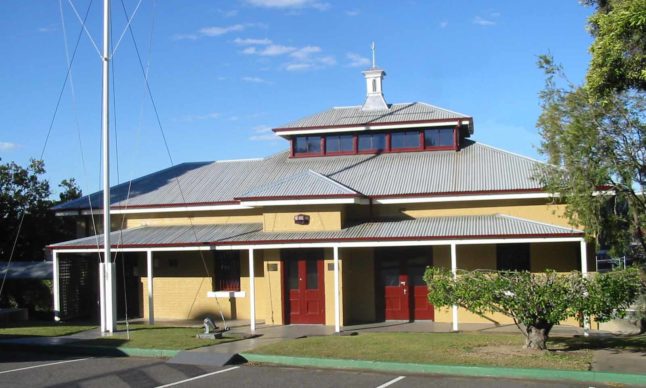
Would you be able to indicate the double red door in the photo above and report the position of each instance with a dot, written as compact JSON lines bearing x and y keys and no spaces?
{"x":405,"y":292}
{"x":304,"y":282}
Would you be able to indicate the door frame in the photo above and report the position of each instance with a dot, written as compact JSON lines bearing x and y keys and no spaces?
{"x":294,"y":254}
{"x":404,"y":254}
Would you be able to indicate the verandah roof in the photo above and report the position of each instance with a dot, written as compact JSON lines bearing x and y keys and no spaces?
{"x":428,"y":228}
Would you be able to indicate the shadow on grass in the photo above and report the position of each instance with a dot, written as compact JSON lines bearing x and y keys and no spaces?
{"x":636,"y":344}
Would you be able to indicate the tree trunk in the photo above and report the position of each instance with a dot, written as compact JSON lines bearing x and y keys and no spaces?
{"x":537,"y":335}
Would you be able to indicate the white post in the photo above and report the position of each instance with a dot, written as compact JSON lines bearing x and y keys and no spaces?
{"x":151,"y":308}
{"x":110,"y":286}
{"x":454,"y":270}
{"x":102,"y":295}
{"x":584,"y":273}
{"x":56,"y":286}
{"x":337,"y":302}
{"x":252,"y":293}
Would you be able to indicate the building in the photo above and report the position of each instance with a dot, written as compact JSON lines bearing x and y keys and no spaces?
{"x":337,"y":230}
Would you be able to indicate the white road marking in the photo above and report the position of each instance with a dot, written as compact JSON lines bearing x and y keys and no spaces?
{"x":42,"y":365}
{"x":391,"y":382}
{"x":198,"y":377}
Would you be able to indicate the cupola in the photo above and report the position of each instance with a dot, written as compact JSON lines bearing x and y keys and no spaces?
{"x":374,"y":91}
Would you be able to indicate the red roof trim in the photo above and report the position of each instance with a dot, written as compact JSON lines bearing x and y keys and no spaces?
{"x":281,"y":197}
{"x":448,"y":121}
{"x":327,"y":240}
{"x":452,"y":193}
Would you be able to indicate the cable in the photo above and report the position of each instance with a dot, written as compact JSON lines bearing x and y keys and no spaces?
{"x":42,"y":153}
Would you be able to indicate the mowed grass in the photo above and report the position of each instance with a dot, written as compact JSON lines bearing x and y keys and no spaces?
{"x":42,"y":329}
{"x":157,"y":337}
{"x":501,"y":350}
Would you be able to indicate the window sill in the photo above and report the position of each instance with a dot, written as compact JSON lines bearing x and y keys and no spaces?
{"x":225,"y":294}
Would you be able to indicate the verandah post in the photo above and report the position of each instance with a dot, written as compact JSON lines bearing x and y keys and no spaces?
{"x":337,"y":303}
{"x":584,"y":273}
{"x":56,"y":286}
{"x":252,"y":293}
{"x":151,"y":307}
{"x":454,"y":270}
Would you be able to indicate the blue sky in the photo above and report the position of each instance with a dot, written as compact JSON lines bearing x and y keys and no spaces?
{"x":223,"y":73}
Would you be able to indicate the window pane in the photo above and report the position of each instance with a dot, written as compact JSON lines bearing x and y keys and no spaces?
{"x":408,"y":139}
{"x":308,"y":144}
{"x":339,"y":143}
{"x":438,"y":137}
{"x":312,"y":275}
{"x":292,"y":274}
{"x":372,"y":142}
{"x":227,"y":271}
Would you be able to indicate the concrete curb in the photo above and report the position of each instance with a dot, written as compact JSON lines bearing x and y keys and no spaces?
{"x":459,"y":370}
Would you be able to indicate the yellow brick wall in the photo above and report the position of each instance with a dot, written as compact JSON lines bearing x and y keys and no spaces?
{"x":202,"y":218}
{"x":536,"y":210}
{"x":281,"y":219}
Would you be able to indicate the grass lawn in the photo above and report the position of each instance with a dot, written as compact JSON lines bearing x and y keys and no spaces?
{"x":157,"y":337}
{"x":503,"y":350}
{"x":42,"y":329}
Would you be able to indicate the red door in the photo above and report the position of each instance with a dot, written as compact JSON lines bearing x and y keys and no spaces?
{"x":396,"y":293}
{"x":405,"y":292}
{"x":305,"y":288}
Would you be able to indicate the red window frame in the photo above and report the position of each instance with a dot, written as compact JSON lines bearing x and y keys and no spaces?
{"x":440,"y":148}
{"x":388,"y":148}
{"x":354,"y":145}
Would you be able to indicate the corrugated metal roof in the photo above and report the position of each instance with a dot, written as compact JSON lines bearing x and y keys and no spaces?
{"x":475,"y":168}
{"x":27,"y":270}
{"x":458,"y":227}
{"x":308,"y":183}
{"x":353,"y":115}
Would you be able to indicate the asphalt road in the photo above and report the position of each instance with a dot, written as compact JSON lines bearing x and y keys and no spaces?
{"x":27,"y":369}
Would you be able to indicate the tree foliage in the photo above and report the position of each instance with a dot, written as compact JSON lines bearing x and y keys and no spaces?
{"x":619,"y":49}
{"x":24,"y":191}
{"x":597,"y":158}
{"x":535,"y":301}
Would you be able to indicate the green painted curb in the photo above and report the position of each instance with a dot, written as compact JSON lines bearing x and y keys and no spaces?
{"x":384,"y":366}
{"x":99,"y":350}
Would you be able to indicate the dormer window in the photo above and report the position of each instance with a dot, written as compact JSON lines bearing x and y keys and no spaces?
{"x":307,"y":145}
{"x":438,"y":137}
{"x":339,"y":144}
{"x":405,"y":140}
{"x":372,"y":142}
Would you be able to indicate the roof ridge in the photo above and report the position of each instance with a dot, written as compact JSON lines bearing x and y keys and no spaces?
{"x":336,"y":183}
{"x":440,"y":108}
{"x":537,"y":222}
{"x":509,"y":152}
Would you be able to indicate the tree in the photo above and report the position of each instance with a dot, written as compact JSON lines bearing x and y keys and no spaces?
{"x":619,"y":49}
{"x":535,"y":301}
{"x":597,"y":158}
{"x":24,"y":204}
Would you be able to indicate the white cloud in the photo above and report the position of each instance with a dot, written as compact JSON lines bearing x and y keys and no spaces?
{"x":228,"y":14}
{"x":251,"y":41}
{"x":217,"y":31}
{"x":7,"y":146}
{"x":487,"y":21}
{"x":352,"y":12}
{"x":207,"y":116}
{"x":271,"y":50}
{"x":290,"y":4}
{"x":263,"y":133}
{"x":256,"y":80}
{"x":211,"y":31}
{"x":50,"y":28}
{"x":444,"y":24}
{"x":305,"y":53}
{"x":298,"y":66}
{"x":357,"y":60}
